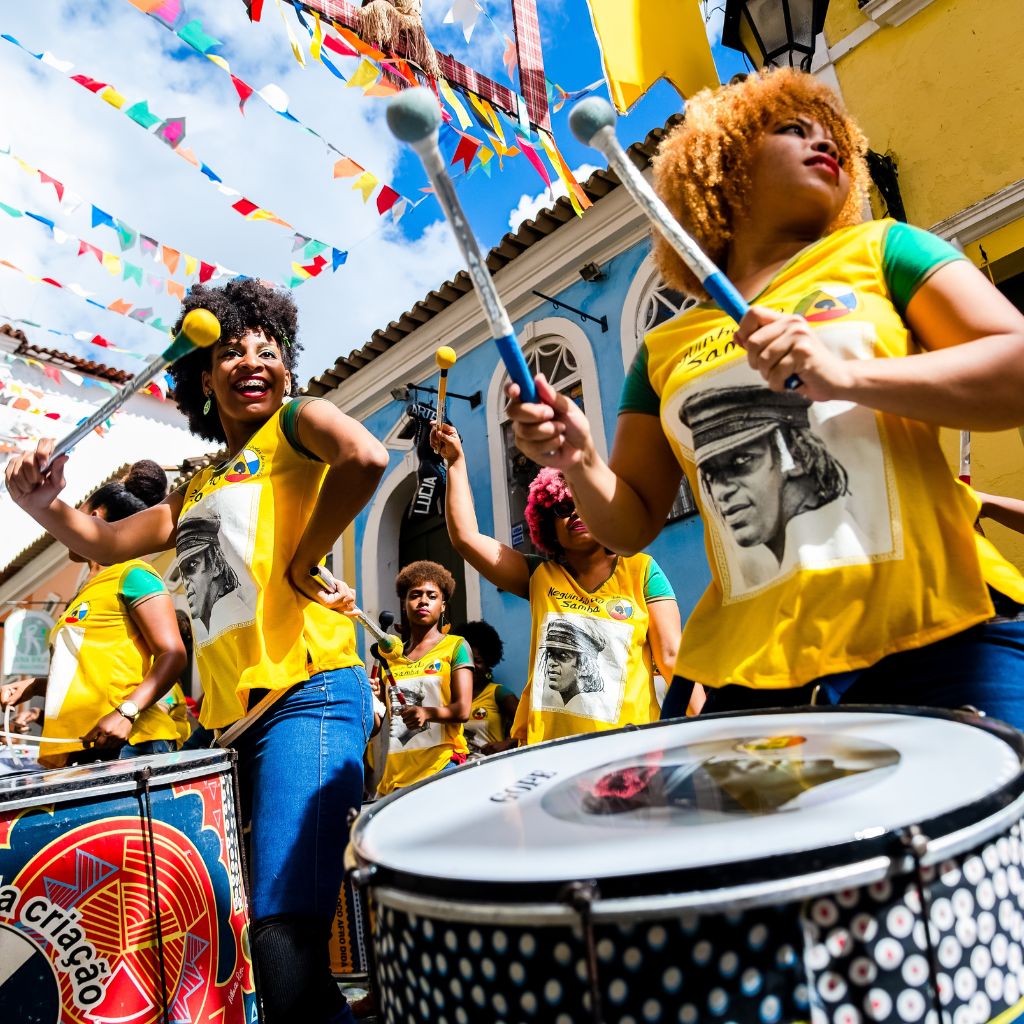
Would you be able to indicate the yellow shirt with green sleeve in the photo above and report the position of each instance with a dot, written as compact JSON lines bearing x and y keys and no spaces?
{"x":100,"y":657}
{"x":485,"y":718}
{"x":239,"y":527}
{"x":591,"y":662}
{"x":416,"y":754}
{"x":836,"y":535}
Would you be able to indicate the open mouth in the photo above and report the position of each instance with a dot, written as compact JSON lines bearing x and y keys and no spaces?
{"x":252,"y":387}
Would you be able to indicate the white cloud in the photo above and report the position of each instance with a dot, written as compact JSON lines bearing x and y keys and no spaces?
{"x":529,"y":206}
{"x":714,"y":19}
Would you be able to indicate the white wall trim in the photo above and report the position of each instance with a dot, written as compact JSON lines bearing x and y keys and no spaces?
{"x":991,"y":214}
{"x":578,"y":343}
{"x":45,"y":565}
{"x":893,"y":12}
{"x":630,"y":308}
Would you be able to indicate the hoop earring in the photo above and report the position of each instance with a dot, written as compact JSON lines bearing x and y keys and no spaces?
{"x":209,"y":403}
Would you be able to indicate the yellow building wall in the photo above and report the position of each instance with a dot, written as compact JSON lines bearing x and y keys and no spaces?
{"x":944,"y":94}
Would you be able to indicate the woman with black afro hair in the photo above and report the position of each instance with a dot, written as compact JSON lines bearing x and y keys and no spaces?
{"x":844,"y":562}
{"x":271,"y":646}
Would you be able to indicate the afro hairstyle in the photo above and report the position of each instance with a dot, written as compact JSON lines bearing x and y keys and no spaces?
{"x":241,"y":305}
{"x":484,"y":640}
{"x":424,"y":572}
{"x":701,"y":168}
{"x":143,"y":487}
{"x":547,"y":489}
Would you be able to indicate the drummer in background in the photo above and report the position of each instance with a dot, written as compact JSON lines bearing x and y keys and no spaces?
{"x":612,"y":613}
{"x":844,"y":562}
{"x":297,"y":475}
{"x":433,"y":688}
{"x":494,"y":705}
{"x":112,"y":689}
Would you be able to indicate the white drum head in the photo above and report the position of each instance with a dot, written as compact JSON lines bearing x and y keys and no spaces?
{"x":725,"y":793}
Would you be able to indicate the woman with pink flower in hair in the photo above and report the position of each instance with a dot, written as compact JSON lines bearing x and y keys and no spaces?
{"x":600,"y":622}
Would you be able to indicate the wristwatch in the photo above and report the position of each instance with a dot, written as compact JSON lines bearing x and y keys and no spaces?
{"x":128,"y":709}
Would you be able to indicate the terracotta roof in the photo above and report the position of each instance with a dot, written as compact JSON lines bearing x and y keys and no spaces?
{"x":66,"y":360}
{"x":514,"y":244}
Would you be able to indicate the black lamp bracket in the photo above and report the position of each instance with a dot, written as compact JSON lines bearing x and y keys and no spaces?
{"x":603,"y":321}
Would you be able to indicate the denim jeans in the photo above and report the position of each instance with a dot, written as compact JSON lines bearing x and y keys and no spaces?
{"x":301,"y":773}
{"x":146,"y":748}
{"x":982,"y":667}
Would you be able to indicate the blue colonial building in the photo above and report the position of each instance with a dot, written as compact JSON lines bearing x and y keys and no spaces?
{"x":581,"y":293}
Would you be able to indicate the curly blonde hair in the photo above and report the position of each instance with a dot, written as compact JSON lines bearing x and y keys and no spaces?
{"x":701,"y":168}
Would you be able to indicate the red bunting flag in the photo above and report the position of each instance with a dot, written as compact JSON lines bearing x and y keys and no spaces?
{"x":50,"y":280}
{"x":58,"y":187}
{"x":84,"y":247}
{"x":205,"y":271}
{"x":244,"y":206}
{"x":466,"y":150}
{"x":339,"y":46}
{"x":387,"y":198}
{"x":98,"y":339}
{"x":244,"y":92}
{"x":89,"y":83}
{"x":316,"y":266}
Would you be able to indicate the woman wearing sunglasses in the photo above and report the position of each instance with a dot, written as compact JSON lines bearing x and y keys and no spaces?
{"x":600,"y":622}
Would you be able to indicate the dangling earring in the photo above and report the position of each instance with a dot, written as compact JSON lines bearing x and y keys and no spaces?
{"x":446,"y":626}
{"x":209,"y":403}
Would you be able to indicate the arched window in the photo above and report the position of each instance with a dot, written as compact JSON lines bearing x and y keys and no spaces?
{"x":650,"y":302}
{"x":560,"y":350}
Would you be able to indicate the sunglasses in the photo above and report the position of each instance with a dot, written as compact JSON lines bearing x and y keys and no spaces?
{"x":564,"y":508}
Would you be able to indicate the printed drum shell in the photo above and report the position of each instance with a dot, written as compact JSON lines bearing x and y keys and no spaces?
{"x":743,"y":928}
{"x":122,"y":894}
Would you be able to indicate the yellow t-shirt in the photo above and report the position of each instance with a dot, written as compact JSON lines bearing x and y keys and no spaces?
{"x":415,"y":754}
{"x":240,"y":524}
{"x":591,"y":662}
{"x":100,"y":657}
{"x":485,"y":725}
{"x":836,"y":534}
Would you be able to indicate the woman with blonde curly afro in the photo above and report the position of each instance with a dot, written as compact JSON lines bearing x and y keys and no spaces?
{"x":844,"y":562}
{"x":600,"y":622}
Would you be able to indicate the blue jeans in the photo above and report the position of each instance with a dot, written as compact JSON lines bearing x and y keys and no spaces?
{"x":301,"y":773}
{"x":146,"y":748}
{"x":982,"y":667}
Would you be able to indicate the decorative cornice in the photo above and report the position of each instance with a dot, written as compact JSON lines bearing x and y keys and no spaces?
{"x":981,"y":219}
{"x":892,"y":12}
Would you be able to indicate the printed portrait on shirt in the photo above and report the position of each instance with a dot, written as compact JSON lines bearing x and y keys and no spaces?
{"x":214,"y":543}
{"x":417,"y":692}
{"x":784,"y":483}
{"x":581,"y":666}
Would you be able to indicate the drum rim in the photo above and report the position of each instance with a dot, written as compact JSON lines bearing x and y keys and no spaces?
{"x":779,"y":867}
{"x":67,"y":785}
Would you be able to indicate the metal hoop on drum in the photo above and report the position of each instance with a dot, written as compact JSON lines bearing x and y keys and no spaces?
{"x":751,"y":879}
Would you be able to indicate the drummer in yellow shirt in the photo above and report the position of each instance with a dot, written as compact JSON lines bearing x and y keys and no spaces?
{"x":600,"y":623}
{"x":112,"y":689}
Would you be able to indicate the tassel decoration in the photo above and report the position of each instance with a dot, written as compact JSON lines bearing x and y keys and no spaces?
{"x":397,"y":26}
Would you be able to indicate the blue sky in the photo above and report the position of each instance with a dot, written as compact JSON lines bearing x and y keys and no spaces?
{"x":108,"y":160}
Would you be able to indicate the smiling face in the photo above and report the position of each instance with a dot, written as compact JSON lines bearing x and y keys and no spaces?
{"x":248,"y":381}
{"x":571,"y":532}
{"x":424,"y":604}
{"x":797,"y":172}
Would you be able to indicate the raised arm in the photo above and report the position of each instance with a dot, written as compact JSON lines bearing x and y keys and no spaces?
{"x":624,"y":501}
{"x":89,"y":536}
{"x":502,"y":565}
{"x":1001,"y":509}
{"x":356,"y":461}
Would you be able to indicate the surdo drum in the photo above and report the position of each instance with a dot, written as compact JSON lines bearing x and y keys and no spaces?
{"x":777,"y":867}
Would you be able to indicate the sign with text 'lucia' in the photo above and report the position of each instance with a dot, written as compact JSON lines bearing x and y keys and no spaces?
{"x":26,"y":650}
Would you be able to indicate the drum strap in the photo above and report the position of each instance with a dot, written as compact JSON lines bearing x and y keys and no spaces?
{"x":581,"y":896}
{"x":916,"y":843}
{"x":143,"y":782}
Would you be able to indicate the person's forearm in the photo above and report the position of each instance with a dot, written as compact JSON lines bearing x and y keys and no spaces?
{"x":1001,"y":509}
{"x":613,"y":511}
{"x":163,"y":674}
{"x":448,"y":713}
{"x":346,"y":489}
{"x":89,"y":536}
{"x":975,"y":386}
{"x":459,"y":510}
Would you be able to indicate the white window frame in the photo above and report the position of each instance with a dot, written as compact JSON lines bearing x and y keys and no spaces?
{"x":574,"y":338}
{"x":645,"y":281}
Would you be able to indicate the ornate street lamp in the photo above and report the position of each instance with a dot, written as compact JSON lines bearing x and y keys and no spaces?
{"x":779,"y":32}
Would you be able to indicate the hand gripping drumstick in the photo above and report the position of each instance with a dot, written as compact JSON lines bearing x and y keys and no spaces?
{"x":445,"y":358}
{"x":389,"y":644}
{"x":593,"y":123}
{"x":199,"y":329}
{"x":414,"y":117}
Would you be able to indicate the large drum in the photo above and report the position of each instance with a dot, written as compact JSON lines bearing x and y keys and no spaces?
{"x":766,"y":868}
{"x":121,"y":895}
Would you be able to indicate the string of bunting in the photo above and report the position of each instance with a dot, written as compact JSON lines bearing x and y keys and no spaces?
{"x":83,"y":336}
{"x":171,"y":131}
{"x":174,"y":16}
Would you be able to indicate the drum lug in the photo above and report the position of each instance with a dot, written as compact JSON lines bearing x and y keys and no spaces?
{"x":361,"y":877}
{"x":915,"y":840}
{"x":581,"y":896}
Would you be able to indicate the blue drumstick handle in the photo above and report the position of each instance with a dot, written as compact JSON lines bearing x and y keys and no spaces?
{"x":726,"y":297}
{"x":512,"y":357}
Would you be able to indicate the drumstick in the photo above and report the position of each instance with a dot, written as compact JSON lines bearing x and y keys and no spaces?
{"x":965,"y":456}
{"x":389,"y":644}
{"x":593,"y":123}
{"x":445,"y":358}
{"x":199,"y":329}
{"x":414,"y":117}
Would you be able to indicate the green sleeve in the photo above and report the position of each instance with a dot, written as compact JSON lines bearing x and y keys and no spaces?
{"x":290,"y":425}
{"x":502,"y":691}
{"x":656,"y":585}
{"x":533,"y":563}
{"x":909,"y":257}
{"x":461,"y":657}
{"x":637,"y":393}
{"x":138,"y":585}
